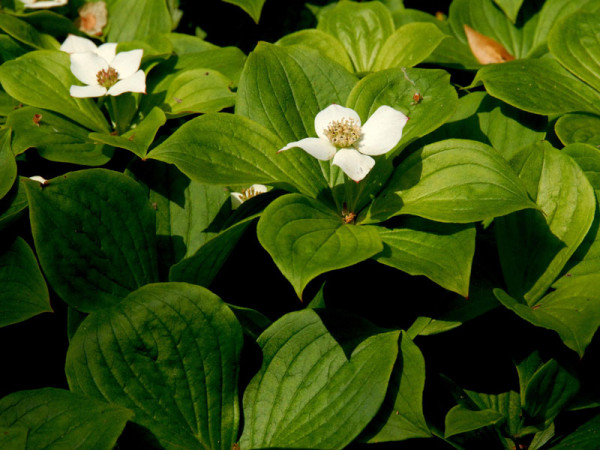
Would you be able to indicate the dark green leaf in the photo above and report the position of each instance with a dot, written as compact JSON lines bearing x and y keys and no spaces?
{"x":252,"y":7}
{"x":461,"y":420}
{"x":8,"y":165}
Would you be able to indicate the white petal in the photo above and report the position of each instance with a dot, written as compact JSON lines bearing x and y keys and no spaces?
{"x":333,"y":113}
{"x":127,"y":63}
{"x":45,"y":4}
{"x":134,"y":83}
{"x":319,"y":148}
{"x":354,"y":164}
{"x":108,"y":51}
{"x":259,"y":188}
{"x":87,"y":91}
{"x":76,"y":44}
{"x":85,"y":66}
{"x":236,"y":200}
{"x":382,"y":132}
{"x":39,"y":179}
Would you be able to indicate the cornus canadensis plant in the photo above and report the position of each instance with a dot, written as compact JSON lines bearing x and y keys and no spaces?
{"x":103,"y":70}
{"x":350,"y":145}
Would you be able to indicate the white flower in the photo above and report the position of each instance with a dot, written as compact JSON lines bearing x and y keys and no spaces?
{"x":92,"y":18}
{"x":237,"y":198}
{"x":351,"y":145}
{"x":39,"y":179}
{"x":103,"y":70}
{"x":37,"y":4}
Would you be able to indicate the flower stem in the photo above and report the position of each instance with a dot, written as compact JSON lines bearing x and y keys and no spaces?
{"x":115,"y":115}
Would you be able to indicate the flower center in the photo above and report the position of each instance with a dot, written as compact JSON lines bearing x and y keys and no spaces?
{"x":343,"y":133}
{"x":107,"y":77}
{"x":249,"y":193}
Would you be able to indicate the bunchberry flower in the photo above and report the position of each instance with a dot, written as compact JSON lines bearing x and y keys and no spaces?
{"x":41,"y":4}
{"x":350,"y":145}
{"x":237,"y":198}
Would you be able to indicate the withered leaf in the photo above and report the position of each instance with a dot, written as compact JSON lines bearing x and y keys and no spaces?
{"x":485,"y":49}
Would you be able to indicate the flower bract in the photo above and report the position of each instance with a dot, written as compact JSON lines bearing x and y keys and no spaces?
{"x":102,"y":69}
{"x":341,"y":137}
{"x":237,"y":198}
{"x":37,"y":4}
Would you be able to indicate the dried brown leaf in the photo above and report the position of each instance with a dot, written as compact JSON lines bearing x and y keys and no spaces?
{"x":485,"y":49}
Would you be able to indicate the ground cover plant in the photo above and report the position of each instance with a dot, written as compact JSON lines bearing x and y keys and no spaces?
{"x":243,"y":224}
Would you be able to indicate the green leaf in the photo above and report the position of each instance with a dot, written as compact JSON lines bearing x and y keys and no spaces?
{"x":324,"y":43}
{"x":397,"y":88}
{"x":572,"y":310}
{"x":506,"y":403}
{"x":13,"y":204}
{"x":306,"y":239}
{"x":229,"y":149}
{"x":310,"y":391}
{"x":186,"y":43}
{"x":578,"y":128}
{"x":7,"y":104}
{"x":441,"y":252}
{"x":408,"y":46}
{"x":401,"y":415}
{"x":540,"y":86}
{"x":252,"y":7}
{"x":534,"y":246}
{"x":14,"y":438}
{"x":198,"y":91}
{"x":573,"y":42}
{"x":56,"y":418}
{"x":132,"y":20}
{"x":25,"y":33}
{"x":94,"y":234}
{"x":548,"y":392}
{"x":283,"y":89}
{"x":139,"y":139}
{"x":361,"y":28}
{"x":179,"y":375}
{"x":55,"y":138}
{"x":510,"y":8}
{"x":202,"y":267}
{"x":462,"y":420}
{"x":24,"y":293}
{"x":188,"y":214}
{"x":8,"y":165}
{"x":42,"y":79}
{"x":455,"y":180}
{"x":583,"y":438}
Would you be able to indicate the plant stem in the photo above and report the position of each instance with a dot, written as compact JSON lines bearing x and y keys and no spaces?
{"x":115,"y":115}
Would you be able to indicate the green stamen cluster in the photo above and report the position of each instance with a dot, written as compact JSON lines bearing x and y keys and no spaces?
{"x":343,"y":133}
{"x":107,"y":77}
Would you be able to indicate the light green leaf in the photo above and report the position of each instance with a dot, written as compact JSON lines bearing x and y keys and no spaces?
{"x":361,"y":28}
{"x":456,"y":181}
{"x":572,"y":310}
{"x":139,"y":139}
{"x":179,"y":375}
{"x":324,"y":43}
{"x":7,"y":104}
{"x":94,"y":234}
{"x":25,"y":33}
{"x":230,"y":149}
{"x":578,"y":128}
{"x":408,"y":46}
{"x":24,"y":293}
{"x":186,"y":43}
{"x":462,"y":420}
{"x":540,"y":86}
{"x":441,"y":252}
{"x":252,"y":7}
{"x":283,"y":89}
{"x":137,"y":19}
{"x":510,"y":8}
{"x":548,"y":392}
{"x":574,"y":43}
{"x":306,"y":239}
{"x":55,"y":137}
{"x":401,"y":415}
{"x":534,"y":246}
{"x":8,"y":165}
{"x":506,"y":403}
{"x":42,"y":79}
{"x":310,"y":391}
{"x":56,"y":418}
